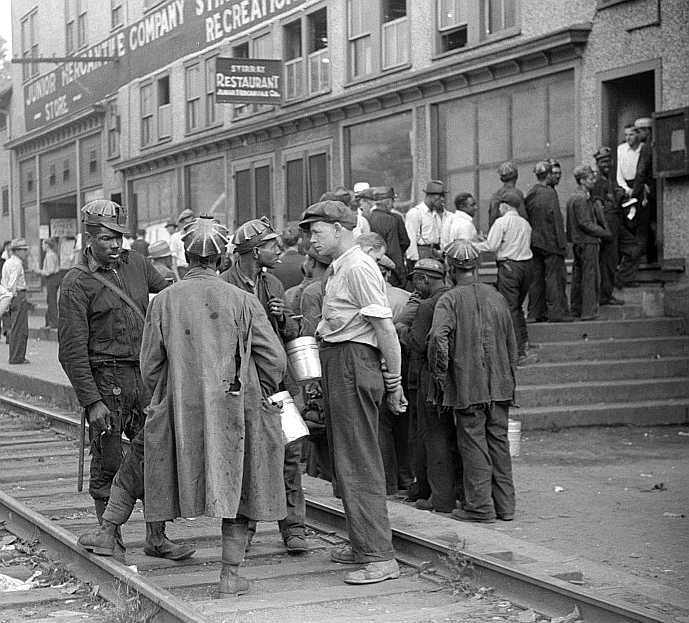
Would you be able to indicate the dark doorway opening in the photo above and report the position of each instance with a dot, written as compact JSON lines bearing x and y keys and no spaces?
{"x":623,"y":100}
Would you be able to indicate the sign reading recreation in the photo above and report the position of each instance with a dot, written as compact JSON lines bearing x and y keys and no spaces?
{"x":244,"y":80}
{"x":171,"y":30}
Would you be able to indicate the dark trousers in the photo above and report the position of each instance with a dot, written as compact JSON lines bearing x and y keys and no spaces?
{"x":547,"y":296}
{"x":439,"y":439}
{"x":514,"y":281}
{"x":393,"y":437}
{"x":353,"y":390}
{"x":129,"y":479}
{"x":18,"y":327}
{"x":52,"y":286}
{"x":486,"y":462}
{"x":632,"y":250}
{"x":609,"y":257}
{"x":585,"y":292}
{"x":121,"y":389}
{"x":417,"y":449}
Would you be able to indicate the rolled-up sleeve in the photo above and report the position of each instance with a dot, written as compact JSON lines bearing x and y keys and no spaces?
{"x":368,"y":292}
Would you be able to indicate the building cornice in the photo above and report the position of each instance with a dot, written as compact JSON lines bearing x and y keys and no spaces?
{"x":445,"y":75}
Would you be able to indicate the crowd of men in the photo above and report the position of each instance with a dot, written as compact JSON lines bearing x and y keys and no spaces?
{"x":179,"y":345}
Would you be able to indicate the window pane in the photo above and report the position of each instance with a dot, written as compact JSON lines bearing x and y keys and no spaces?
{"x":262,"y":47}
{"x":210,"y":91}
{"x":394,"y":9}
{"x":449,"y":14}
{"x":456,"y":126}
{"x":380,"y":153}
{"x":529,"y":123}
{"x":192,"y":81}
{"x":294,"y":78}
{"x":395,"y":43}
{"x":292,"y":35}
{"x":318,"y":176}
{"x":561,"y":116}
{"x":146,"y":103}
{"x":206,"y":188}
{"x":359,"y":21}
{"x":242,"y":196}
{"x":155,"y":197}
{"x":294,"y":184}
{"x":317,"y":30}
{"x":453,"y":39}
{"x":493,"y":119}
{"x":164,"y":91}
{"x":241,"y":51}
{"x":262,"y":189}
{"x":361,"y":57}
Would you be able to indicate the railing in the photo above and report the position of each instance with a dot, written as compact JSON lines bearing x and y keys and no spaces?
{"x":319,"y":72}
{"x":294,"y":78}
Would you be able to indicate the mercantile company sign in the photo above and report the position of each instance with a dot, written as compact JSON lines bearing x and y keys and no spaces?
{"x":167,"y":32}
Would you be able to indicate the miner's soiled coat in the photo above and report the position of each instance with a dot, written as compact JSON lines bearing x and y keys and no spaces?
{"x":208,"y":450}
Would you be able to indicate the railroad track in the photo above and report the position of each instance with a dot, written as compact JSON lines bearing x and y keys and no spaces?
{"x":38,"y":501}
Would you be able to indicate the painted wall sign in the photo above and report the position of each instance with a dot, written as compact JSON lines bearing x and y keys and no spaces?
{"x":244,"y":80}
{"x":171,"y":30}
{"x":63,"y":227}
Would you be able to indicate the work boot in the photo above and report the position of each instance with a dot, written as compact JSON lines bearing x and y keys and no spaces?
{"x":234,"y":536}
{"x":296,"y":543}
{"x":119,"y":549}
{"x":101,"y":541}
{"x":158,"y":545}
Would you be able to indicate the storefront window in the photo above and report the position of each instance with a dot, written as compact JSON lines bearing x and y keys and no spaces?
{"x":380,"y":153}
{"x":205,"y":183}
{"x":154,"y":199}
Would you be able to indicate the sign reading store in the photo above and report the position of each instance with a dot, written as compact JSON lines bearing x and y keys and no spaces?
{"x":172,"y":30}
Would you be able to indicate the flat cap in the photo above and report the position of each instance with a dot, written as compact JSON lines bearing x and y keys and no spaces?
{"x":429,"y":266}
{"x":603,"y":153}
{"x":159,"y":249}
{"x":382,"y":192}
{"x":329,"y":212}
{"x":184,"y":215}
{"x":507,"y":171}
{"x":359,"y":186}
{"x":171,"y":224}
{"x":643,"y":122}
{"x":386,"y":262}
{"x":511,"y":198}
{"x":434,"y":187}
{"x":366,"y":193}
{"x":19,"y":243}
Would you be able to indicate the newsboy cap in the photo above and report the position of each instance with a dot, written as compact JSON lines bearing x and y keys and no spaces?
{"x":184,"y":215}
{"x":19,"y":243}
{"x":329,"y":212}
{"x":434,"y":187}
{"x":643,"y":122}
{"x":603,"y":153}
{"x":511,"y":198}
{"x":382,"y":192}
{"x":429,"y":266}
{"x":159,"y":249}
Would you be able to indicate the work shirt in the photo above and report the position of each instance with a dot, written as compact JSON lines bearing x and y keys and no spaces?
{"x":608,"y":193}
{"x":51,"y":263}
{"x":459,"y":227}
{"x":424,"y":227}
{"x":177,"y":248}
{"x":585,"y":220}
{"x":627,"y":159}
{"x":472,"y":349}
{"x":545,"y":218}
{"x":95,"y":325}
{"x":354,"y":292}
{"x":509,"y":238}
{"x":265,"y":287}
{"x":13,"y":275}
{"x":397,"y":297}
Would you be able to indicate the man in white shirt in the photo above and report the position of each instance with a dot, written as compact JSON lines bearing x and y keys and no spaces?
{"x":461,"y":225}
{"x":510,"y":239}
{"x":179,"y":258}
{"x":628,"y":158}
{"x":425,"y":222}
{"x":13,"y":279}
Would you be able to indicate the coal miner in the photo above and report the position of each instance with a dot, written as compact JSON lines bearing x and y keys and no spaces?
{"x":361,"y":361}
{"x":472,"y":353}
{"x":103,"y":300}
{"x":213,"y":442}
{"x":257,"y":250}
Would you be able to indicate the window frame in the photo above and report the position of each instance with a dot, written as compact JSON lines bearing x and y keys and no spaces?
{"x":28,"y":23}
{"x":303,"y":152}
{"x":147,"y":118}
{"x":116,"y":9}
{"x":5,"y":199}
{"x":82,"y":24}
{"x":251,"y":164}
{"x":113,"y":126}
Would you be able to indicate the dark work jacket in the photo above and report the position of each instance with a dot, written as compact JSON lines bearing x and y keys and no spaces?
{"x":608,"y":193}
{"x":267,"y":287}
{"x":288,"y":271}
{"x":390,"y":227}
{"x":585,"y":221}
{"x":547,"y":226}
{"x":496,"y":200}
{"x":644,"y":172}
{"x":472,"y":349}
{"x":96,"y":325}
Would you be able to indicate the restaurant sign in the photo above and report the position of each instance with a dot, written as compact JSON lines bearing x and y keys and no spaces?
{"x":171,"y":30}
{"x":245,"y":80}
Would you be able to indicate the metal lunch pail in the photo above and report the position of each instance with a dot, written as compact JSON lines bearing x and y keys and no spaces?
{"x":293,"y":426}
{"x":304,"y":362}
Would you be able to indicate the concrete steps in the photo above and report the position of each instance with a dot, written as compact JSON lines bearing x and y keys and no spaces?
{"x":624,"y":371}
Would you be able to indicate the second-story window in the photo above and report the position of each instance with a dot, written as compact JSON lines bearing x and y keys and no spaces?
{"x":70,"y":26}
{"x":29,"y":36}
{"x":192,"y":82}
{"x":81,"y":24}
{"x":113,"y":130}
{"x":211,"y":111}
{"x":498,"y":15}
{"x":116,"y":13}
{"x":146,"y":95}
{"x":261,"y":46}
{"x":164,"y":112}
{"x":452,"y":24}
{"x":378,"y":34}
{"x":307,"y":62}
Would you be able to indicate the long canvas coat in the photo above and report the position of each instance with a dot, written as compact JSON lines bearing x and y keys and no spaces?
{"x":213,"y":445}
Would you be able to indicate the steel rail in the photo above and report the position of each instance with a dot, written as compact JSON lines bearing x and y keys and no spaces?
{"x":543,"y":593}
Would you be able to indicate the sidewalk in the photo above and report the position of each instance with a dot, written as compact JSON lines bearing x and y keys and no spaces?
{"x":607,"y":506}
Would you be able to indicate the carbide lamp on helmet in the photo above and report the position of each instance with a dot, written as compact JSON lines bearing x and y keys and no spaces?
{"x":105,"y":213}
{"x":253,"y":234}
{"x":462,"y":253}
{"x":204,"y":237}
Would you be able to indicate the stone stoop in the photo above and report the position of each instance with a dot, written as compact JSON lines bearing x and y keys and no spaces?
{"x":606,"y":372}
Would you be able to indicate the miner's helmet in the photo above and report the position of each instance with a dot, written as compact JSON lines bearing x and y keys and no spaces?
{"x":105,"y":213}
{"x":462,"y":254}
{"x":253,"y":234}
{"x":204,"y":237}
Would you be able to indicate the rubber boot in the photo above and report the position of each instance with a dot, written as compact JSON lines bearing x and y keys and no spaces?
{"x":234,"y":536}
{"x":101,"y":541}
{"x":158,"y":545}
